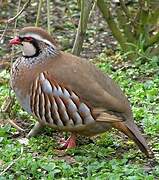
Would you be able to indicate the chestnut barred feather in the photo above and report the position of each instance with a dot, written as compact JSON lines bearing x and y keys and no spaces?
{"x":55,"y":105}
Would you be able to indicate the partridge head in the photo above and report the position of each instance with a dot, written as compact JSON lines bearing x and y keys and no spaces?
{"x":68,"y":93}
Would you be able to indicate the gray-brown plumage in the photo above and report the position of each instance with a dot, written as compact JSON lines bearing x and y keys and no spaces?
{"x":66,"y":92}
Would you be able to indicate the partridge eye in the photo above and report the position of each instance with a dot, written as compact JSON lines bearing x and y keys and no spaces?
{"x":28,"y":39}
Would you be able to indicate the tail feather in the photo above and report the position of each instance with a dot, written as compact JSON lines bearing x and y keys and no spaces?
{"x":131,"y":130}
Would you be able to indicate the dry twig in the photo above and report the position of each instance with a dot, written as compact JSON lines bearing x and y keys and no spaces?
{"x":13,"y":162}
{"x":15,"y":125}
{"x":6,"y":109}
{"x":48,"y":16}
{"x":4,"y":32}
{"x":38,"y":13}
{"x":6,"y":106}
{"x":14,"y":18}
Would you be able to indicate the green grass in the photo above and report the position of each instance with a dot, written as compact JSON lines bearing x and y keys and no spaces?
{"x":109,"y":156}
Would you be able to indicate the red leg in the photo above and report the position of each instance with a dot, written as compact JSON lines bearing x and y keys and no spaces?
{"x":72,"y":141}
{"x":69,"y":143}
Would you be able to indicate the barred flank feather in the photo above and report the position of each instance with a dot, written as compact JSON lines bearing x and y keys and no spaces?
{"x":56,"y":105}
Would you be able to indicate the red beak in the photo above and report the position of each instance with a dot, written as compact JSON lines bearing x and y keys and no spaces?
{"x":15,"y":41}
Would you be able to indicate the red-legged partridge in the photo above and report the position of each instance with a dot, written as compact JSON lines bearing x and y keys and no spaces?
{"x":68,"y":93}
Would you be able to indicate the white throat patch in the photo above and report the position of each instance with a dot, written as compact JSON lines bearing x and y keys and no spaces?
{"x":28,"y":49}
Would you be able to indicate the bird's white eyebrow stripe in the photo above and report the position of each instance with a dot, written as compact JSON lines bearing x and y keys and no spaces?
{"x":36,"y":36}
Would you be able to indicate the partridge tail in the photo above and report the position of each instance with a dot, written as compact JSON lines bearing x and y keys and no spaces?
{"x":131,"y":130}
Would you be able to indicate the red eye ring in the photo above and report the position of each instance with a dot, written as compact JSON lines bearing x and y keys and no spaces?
{"x":28,"y":39}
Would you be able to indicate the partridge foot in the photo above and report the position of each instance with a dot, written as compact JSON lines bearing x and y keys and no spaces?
{"x":35,"y":130}
{"x":69,"y":143}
